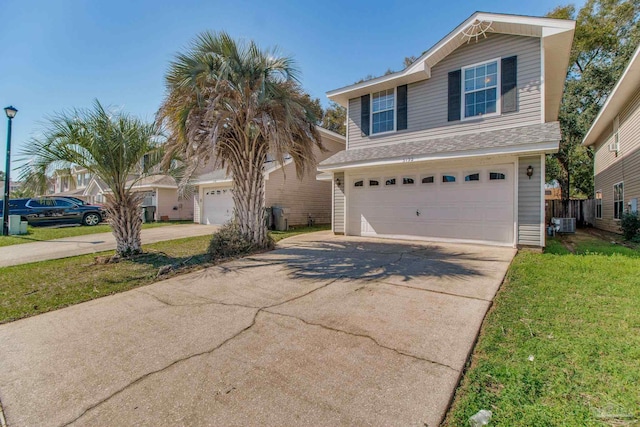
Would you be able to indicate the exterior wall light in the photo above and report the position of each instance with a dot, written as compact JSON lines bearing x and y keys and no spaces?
{"x":530,"y":171}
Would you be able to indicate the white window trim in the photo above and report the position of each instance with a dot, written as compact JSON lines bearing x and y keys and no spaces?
{"x":617,"y":201}
{"x":498,"y":62}
{"x":395,"y":112}
{"x":600,"y":200}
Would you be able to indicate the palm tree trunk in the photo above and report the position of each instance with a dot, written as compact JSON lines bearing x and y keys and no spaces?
{"x":248,"y":197}
{"x":126,"y":222}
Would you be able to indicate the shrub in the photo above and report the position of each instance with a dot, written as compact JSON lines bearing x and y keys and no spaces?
{"x":630,"y":225}
{"x":229,"y":242}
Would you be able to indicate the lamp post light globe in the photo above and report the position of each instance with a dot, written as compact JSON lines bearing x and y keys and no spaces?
{"x":11,"y":112}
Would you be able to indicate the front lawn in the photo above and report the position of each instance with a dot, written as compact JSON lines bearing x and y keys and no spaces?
{"x":39,"y":287}
{"x":38,"y":234}
{"x":561,"y":344}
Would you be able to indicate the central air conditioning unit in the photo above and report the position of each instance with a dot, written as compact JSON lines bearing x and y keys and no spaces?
{"x":564,"y":225}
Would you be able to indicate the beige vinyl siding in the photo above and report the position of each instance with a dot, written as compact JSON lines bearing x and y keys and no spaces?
{"x":338,"y":203}
{"x":611,"y":169}
{"x":529,"y":201}
{"x":306,"y":198}
{"x":627,"y":170}
{"x":427,"y":99}
{"x":167,"y":199}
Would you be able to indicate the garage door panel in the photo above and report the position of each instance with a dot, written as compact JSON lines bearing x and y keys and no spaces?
{"x":217,"y":206}
{"x":482,"y":211}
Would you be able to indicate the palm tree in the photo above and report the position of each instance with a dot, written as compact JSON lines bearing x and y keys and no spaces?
{"x":232,"y":103}
{"x":109,"y":145}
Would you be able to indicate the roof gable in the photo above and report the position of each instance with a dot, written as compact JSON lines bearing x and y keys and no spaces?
{"x":557,"y":36}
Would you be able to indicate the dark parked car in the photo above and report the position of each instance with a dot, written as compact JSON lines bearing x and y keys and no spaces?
{"x":55,"y":210}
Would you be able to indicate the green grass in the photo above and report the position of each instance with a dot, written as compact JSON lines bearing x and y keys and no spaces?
{"x":39,"y":287}
{"x":38,"y":234}
{"x":577,"y":315}
{"x":279,"y":235}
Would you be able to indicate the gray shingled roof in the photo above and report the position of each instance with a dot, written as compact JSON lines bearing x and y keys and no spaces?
{"x":544,"y":132}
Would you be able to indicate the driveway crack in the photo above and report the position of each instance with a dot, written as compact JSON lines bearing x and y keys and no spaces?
{"x":206,"y":301}
{"x":157,"y":371}
{"x":202,"y":353}
{"x":375,"y":341}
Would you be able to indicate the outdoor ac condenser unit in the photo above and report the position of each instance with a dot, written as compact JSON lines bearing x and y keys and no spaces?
{"x":564,"y":225}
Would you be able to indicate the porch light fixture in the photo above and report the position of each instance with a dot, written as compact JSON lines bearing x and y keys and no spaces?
{"x":530,"y":171}
{"x":338,"y":182}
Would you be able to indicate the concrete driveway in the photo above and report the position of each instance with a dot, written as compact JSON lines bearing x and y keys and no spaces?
{"x":324,"y":331}
{"x":92,"y":243}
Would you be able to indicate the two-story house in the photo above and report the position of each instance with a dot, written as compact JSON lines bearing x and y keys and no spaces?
{"x":615,"y":137}
{"x":453,"y":147}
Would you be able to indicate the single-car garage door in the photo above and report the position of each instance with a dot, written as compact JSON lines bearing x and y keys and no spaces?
{"x":474,"y":203}
{"x":217,"y":206}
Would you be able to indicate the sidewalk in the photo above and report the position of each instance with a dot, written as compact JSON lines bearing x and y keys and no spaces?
{"x":91,"y":243}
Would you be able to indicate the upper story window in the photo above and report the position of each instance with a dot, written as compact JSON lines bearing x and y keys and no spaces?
{"x":480,"y":85}
{"x":382,"y":109}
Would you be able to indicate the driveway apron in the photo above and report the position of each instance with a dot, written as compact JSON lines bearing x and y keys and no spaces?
{"x":326,"y":330}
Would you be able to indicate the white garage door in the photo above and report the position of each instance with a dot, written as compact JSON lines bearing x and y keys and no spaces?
{"x":217,"y":206}
{"x":475,"y":204}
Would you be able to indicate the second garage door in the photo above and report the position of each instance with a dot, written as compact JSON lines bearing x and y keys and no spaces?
{"x":471,"y":204}
{"x":217,"y":207}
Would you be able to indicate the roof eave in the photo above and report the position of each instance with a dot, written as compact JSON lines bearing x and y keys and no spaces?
{"x":532,"y":148}
{"x":626,"y":87}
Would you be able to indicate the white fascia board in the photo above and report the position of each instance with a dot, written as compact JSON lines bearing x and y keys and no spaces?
{"x":332,"y":135}
{"x":213,"y":182}
{"x":537,"y":148}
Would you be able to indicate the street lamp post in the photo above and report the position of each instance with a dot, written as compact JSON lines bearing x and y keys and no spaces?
{"x":11,"y":113}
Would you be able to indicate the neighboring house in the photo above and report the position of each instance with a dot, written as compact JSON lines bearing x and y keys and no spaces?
{"x":13,"y":186}
{"x":71,"y":182}
{"x":159,"y":192}
{"x":453,"y":147}
{"x":306,"y":199}
{"x":615,"y":138}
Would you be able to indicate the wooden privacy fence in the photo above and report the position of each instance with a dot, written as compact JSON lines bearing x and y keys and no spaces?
{"x":584,"y":211}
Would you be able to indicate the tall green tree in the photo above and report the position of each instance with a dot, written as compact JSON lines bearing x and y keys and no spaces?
{"x":607,"y":32}
{"x":111,"y":146}
{"x":335,"y":118}
{"x":234,"y":103}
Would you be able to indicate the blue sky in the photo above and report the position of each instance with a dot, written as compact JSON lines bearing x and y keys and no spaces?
{"x":56,"y":55}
